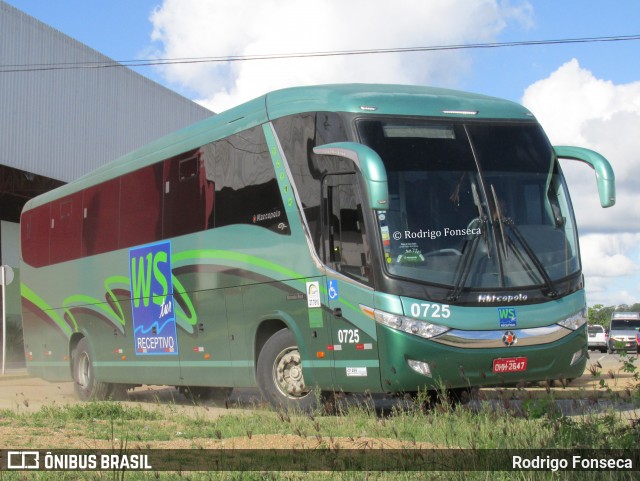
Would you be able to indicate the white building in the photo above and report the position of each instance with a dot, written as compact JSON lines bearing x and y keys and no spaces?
{"x":60,"y":119}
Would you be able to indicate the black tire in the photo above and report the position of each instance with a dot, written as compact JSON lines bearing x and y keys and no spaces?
{"x":119,"y":392}
{"x":86,"y":386}
{"x":197,"y":394}
{"x":279,"y":374}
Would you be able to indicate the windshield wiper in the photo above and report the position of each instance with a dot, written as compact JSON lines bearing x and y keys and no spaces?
{"x":499,"y":219}
{"x":463,"y":268}
{"x":552,"y":291}
{"x":502,"y":221}
{"x":466,"y":261}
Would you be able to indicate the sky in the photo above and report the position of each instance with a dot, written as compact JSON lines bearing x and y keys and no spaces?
{"x":584,"y":94}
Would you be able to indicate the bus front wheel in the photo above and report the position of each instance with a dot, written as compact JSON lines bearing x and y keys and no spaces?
{"x":279,"y":374}
{"x":86,"y":386}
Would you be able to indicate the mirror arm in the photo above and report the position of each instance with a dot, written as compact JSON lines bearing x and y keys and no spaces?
{"x":368,"y":163}
{"x":605,"y":177}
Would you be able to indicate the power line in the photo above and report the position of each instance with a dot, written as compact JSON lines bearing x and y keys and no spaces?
{"x":280,"y":56}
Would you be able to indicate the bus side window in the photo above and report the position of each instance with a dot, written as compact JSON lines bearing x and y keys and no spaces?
{"x":344,"y":241}
{"x":246,"y":188}
{"x":298,"y":135}
{"x":186,"y":198}
{"x":35,"y":227}
{"x":101,"y":218}
{"x":141,"y":206}
{"x":65,"y":238}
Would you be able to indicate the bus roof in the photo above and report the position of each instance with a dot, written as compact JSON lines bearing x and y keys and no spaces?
{"x":370,"y":99}
{"x":391,"y":100}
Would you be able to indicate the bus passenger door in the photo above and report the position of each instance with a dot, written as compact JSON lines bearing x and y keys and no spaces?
{"x":345,"y":250}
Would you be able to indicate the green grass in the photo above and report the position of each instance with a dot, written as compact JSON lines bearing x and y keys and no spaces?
{"x":535,"y":425}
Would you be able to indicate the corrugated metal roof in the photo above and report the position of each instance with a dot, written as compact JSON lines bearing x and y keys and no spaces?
{"x":63,"y":123}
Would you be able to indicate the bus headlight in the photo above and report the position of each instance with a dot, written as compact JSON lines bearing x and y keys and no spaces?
{"x":409,"y":325}
{"x":574,"y":322}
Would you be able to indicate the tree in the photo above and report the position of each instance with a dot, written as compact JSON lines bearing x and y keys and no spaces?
{"x":599,"y":314}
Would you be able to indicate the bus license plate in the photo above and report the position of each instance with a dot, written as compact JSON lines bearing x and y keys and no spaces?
{"x":510,"y":364}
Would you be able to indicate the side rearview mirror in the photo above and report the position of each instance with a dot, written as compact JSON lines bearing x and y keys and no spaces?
{"x":370,"y":165}
{"x":605,"y":177}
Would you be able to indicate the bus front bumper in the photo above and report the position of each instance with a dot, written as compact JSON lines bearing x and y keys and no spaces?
{"x":410,"y":363}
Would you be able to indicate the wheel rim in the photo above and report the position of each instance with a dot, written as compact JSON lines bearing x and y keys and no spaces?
{"x":287,"y":374}
{"x":84,"y":370}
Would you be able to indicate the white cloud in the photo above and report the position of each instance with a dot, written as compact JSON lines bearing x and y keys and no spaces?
{"x":611,"y":268}
{"x":199,"y":28}
{"x":577,"y":108}
{"x":607,"y":255}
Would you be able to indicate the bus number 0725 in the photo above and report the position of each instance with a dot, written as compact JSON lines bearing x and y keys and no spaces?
{"x":348,"y":336}
{"x":430,"y":310}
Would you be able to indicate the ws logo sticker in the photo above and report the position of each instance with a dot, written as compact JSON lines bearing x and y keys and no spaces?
{"x":507,"y":317}
{"x":154,"y":320}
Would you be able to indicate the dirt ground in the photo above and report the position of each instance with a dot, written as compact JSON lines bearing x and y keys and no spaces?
{"x":21,"y":393}
{"x":24,"y":394}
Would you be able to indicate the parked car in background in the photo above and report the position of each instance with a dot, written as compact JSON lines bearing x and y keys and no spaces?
{"x":623,"y":331}
{"x":597,"y":337}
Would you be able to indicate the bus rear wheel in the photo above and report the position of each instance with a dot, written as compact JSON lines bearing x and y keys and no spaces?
{"x":279,"y":374}
{"x":85,"y":384}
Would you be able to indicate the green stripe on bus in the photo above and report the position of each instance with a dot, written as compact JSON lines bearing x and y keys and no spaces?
{"x":41,"y":304}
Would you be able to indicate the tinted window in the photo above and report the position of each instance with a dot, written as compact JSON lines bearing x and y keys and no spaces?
{"x":246,"y":188}
{"x":101,"y":212}
{"x":34,"y":234}
{"x":298,"y":135}
{"x":188,"y":196}
{"x":66,"y":228}
{"x":141,"y":206}
{"x":476,"y":205}
{"x":344,"y":245}
{"x":231,"y":181}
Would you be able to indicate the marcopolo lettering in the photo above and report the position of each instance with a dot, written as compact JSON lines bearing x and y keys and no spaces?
{"x":504,"y":299}
{"x":268,"y":216}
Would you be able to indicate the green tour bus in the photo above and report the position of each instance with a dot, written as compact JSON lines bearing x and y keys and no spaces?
{"x":336,"y":238}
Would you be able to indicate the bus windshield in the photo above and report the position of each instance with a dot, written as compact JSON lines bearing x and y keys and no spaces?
{"x":475,"y":205}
